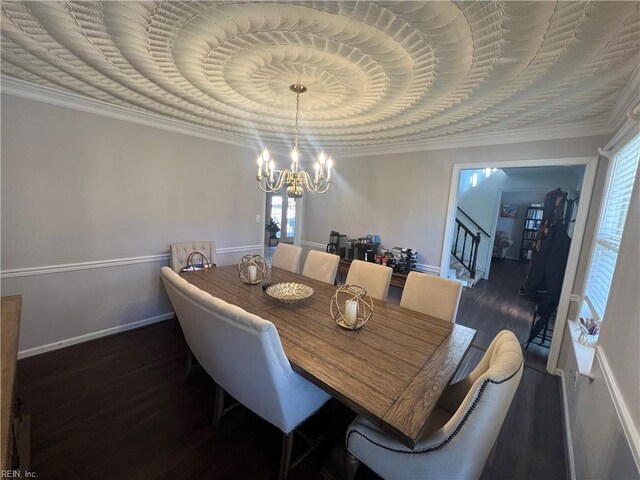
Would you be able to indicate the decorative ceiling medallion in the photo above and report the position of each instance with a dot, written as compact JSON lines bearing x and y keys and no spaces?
{"x":378,"y":74}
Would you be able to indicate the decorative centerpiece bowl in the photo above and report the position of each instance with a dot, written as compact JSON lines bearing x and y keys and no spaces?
{"x":289,"y":292}
{"x":351,"y":307}
{"x":252,"y":269}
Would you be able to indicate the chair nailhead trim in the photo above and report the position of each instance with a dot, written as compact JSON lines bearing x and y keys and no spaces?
{"x":443,"y":443}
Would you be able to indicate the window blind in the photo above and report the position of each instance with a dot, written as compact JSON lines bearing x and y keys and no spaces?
{"x":610,"y":227}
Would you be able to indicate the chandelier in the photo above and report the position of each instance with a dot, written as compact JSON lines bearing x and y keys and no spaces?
{"x":271,"y":181}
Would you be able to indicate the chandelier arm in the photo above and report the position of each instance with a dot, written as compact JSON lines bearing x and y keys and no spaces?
{"x":268,"y":187}
{"x":312,"y":188}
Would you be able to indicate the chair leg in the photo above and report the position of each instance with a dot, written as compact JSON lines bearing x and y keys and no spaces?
{"x":351,"y":466}
{"x":285,"y":457}
{"x":218,"y":406}
{"x":533,"y":323}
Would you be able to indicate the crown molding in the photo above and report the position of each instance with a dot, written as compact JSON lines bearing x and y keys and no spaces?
{"x":627,"y":102}
{"x":533,"y":134}
{"x":32,"y":91}
{"x":21,"y":88}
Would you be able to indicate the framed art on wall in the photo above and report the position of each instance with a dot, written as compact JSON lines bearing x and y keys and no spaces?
{"x":509,"y":211}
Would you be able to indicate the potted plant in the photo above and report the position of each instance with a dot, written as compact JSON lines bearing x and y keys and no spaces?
{"x":272,"y":229}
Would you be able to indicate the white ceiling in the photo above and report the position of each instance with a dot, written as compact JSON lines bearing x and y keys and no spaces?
{"x":378,"y":73}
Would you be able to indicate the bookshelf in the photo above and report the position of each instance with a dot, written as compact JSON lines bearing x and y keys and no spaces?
{"x":532,"y":223}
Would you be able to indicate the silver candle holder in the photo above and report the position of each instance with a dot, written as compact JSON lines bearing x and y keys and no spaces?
{"x":252,"y":269}
{"x":351,"y":307}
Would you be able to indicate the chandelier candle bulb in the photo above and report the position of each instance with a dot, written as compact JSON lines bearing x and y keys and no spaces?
{"x":260,"y":161}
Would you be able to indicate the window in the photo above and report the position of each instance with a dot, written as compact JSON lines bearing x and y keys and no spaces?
{"x":276,"y":211}
{"x":608,"y":236}
{"x":291,"y":217}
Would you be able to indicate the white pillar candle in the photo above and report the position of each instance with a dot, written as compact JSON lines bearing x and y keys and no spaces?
{"x":253,"y":273}
{"x":351,"y":312}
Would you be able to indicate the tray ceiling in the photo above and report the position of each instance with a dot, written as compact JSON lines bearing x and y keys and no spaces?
{"x":378,"y":73}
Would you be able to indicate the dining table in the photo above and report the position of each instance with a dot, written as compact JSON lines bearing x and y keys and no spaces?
{"x":392,"y":371}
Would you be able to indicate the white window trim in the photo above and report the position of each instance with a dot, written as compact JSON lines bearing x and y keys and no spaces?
{"x":585,"y":355}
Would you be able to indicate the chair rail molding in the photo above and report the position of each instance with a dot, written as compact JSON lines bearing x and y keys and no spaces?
{"x":116,"y":262}
{"x":314,"y":245}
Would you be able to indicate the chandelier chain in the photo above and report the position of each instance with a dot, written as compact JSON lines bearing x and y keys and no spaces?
{"x":297,"y":110}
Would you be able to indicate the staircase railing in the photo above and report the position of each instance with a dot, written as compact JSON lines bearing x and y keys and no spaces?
{"x":474,"y":242}
{"x":473,"y":221}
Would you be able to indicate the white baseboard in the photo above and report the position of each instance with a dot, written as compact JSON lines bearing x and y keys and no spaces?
{"x":431,"y":269}
{"x":90,"y":336}
{"x":568,"y":442}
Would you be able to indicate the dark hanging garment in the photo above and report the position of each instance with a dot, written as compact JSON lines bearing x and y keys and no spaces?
{"x":548,"y":266}
{"x":554,"y":204}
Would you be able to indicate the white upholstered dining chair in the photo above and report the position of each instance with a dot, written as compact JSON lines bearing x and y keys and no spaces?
{"x":287,"y":257}
{"x":243,"y":355}
{"x":461,"y":431}
{"x":321,"y":266}
{"x":180,"y":253}
{"x":435,"y":296}
{"x":374,"y":278}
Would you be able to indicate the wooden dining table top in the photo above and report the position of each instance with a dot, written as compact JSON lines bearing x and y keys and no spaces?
{"x":392,"y":371}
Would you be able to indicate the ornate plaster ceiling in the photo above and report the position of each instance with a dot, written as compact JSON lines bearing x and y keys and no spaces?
{"x":378,"y":73}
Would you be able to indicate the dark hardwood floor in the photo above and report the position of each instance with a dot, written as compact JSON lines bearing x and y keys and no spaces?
{"x":118,"y":407}
{"x":493,"y":305}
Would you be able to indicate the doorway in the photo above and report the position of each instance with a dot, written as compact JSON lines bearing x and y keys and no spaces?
{"x":498,"y":179}
{"x":287,"y":216}
{"x":282,"y":212}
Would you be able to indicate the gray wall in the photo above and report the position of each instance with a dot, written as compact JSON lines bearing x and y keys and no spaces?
{"x":620,"y":339}
{"x":78,"y":187}
{"x":600,"y":444}
{"x":404,"y":197}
